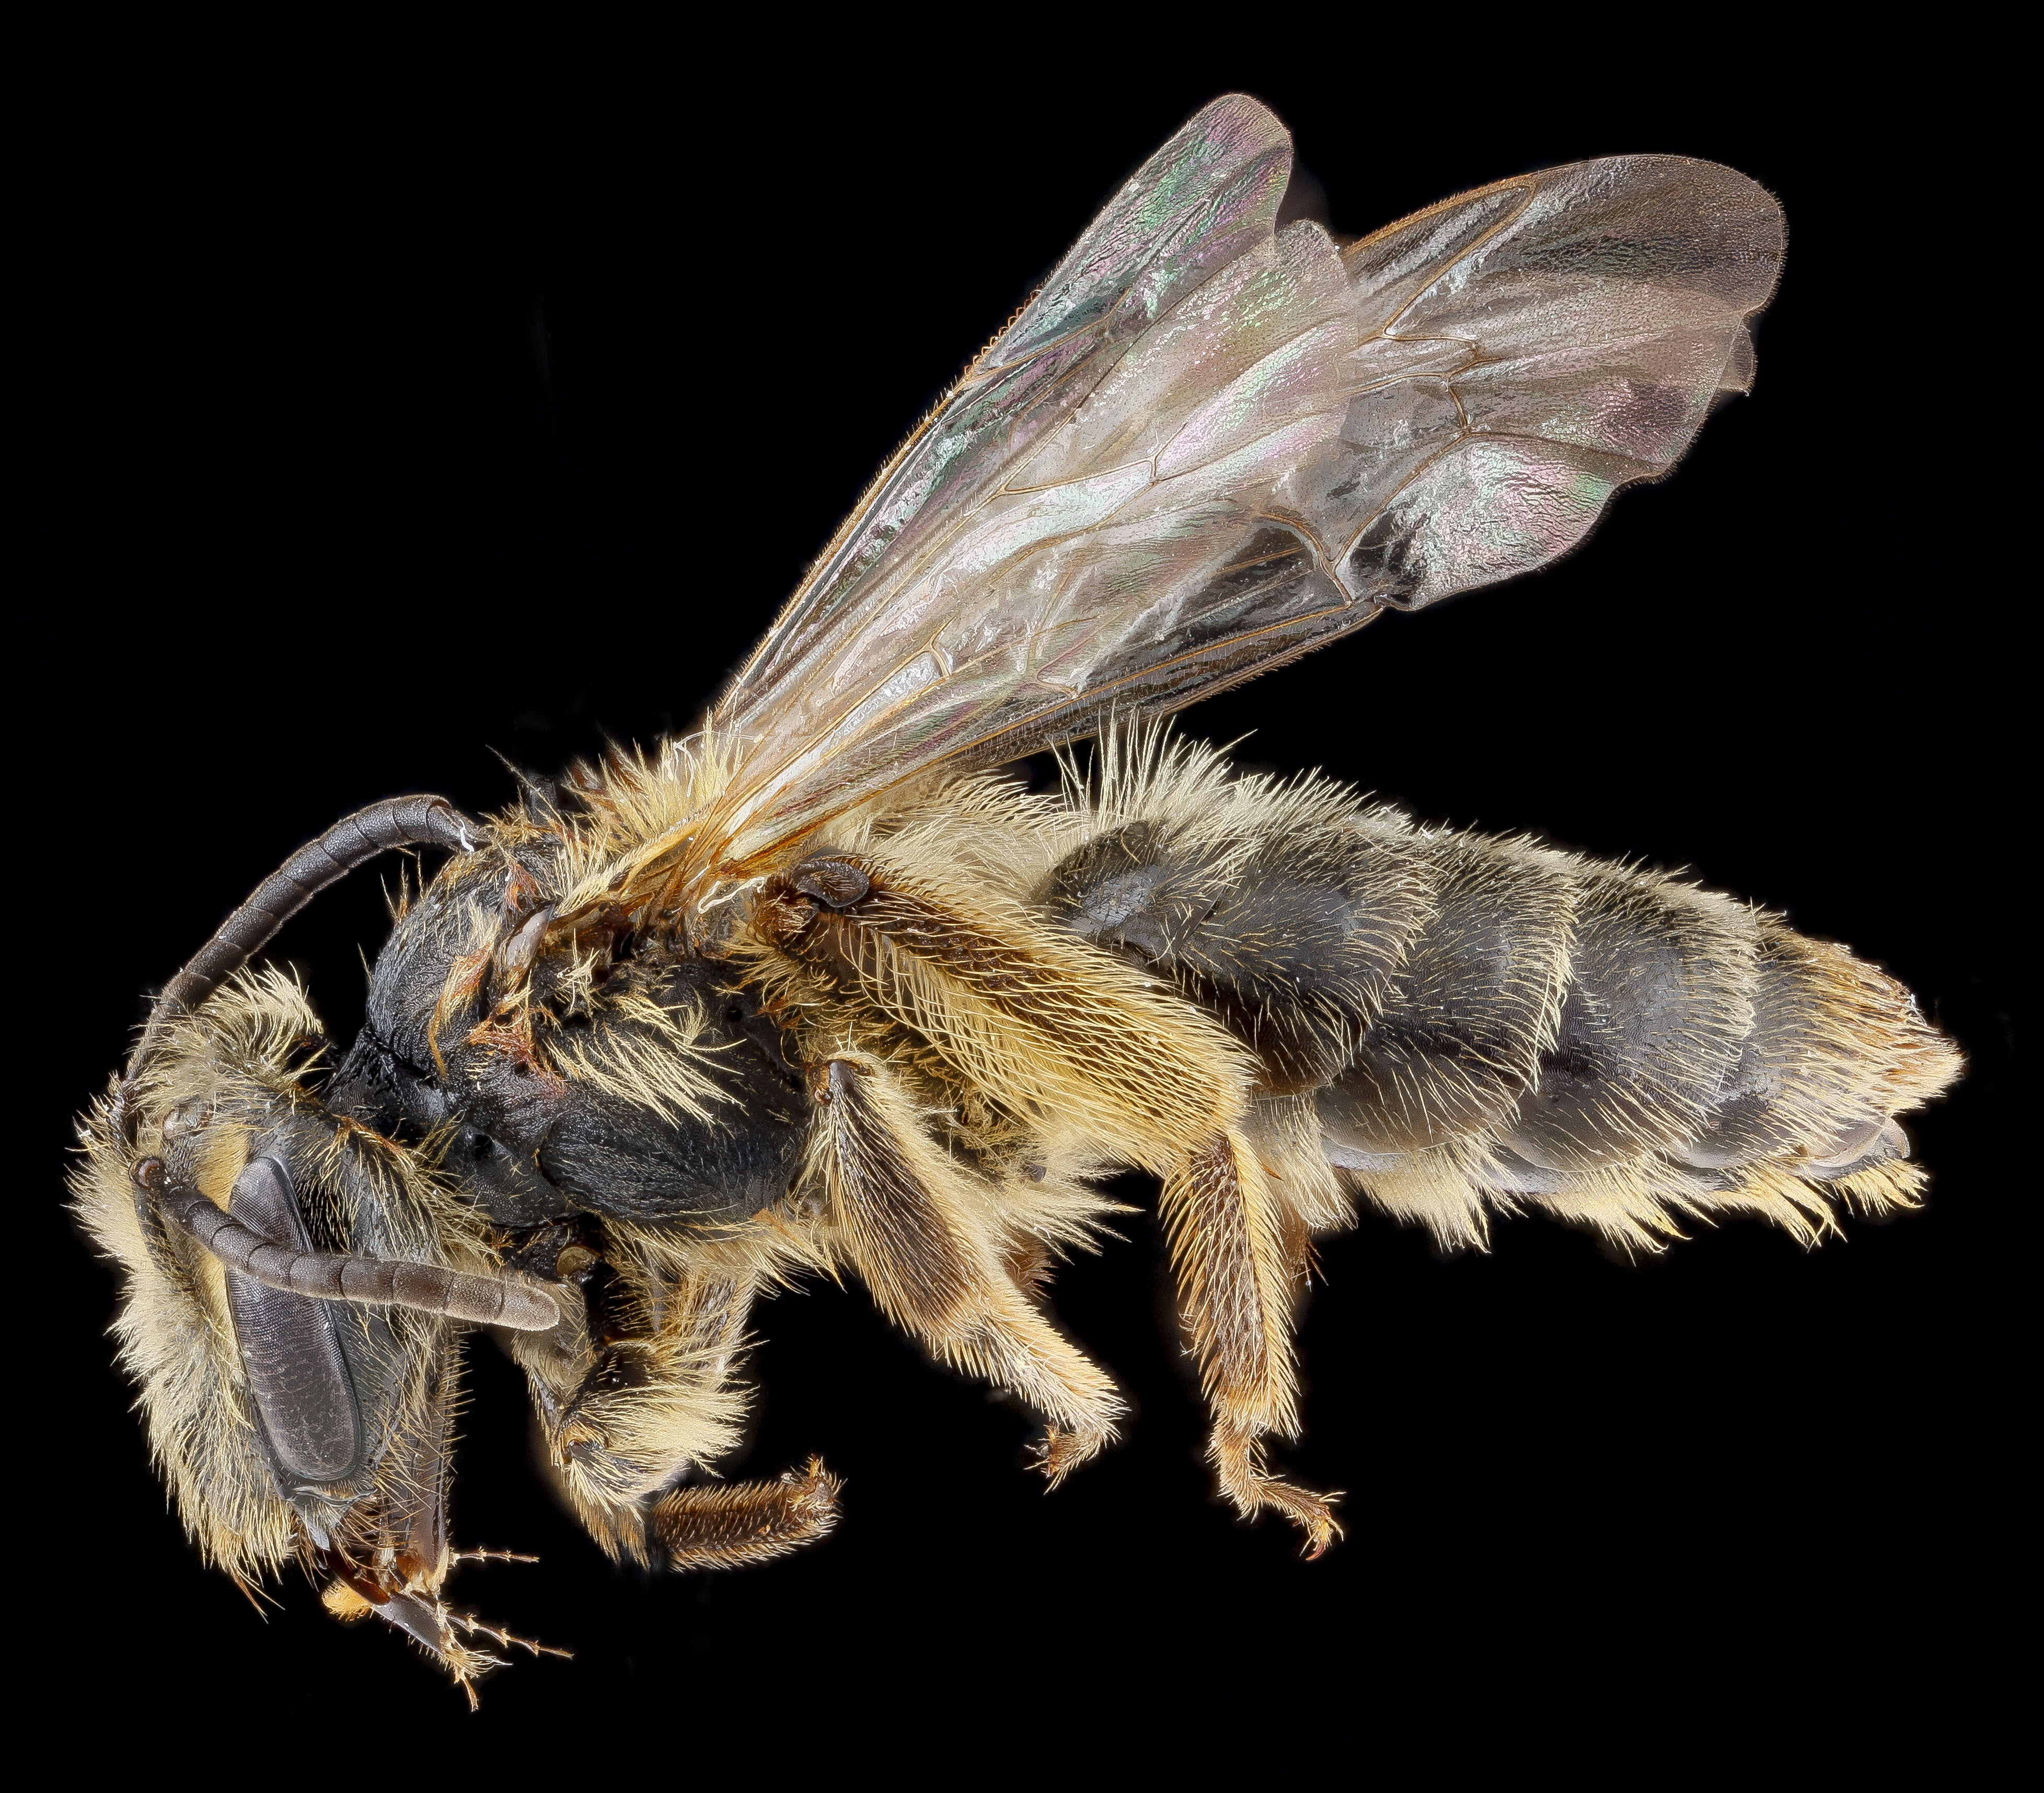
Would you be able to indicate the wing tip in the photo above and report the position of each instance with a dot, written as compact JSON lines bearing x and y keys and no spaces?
{"x":1248,"y":116}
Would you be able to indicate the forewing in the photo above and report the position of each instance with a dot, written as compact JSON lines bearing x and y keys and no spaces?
{"x":1207,"y":447}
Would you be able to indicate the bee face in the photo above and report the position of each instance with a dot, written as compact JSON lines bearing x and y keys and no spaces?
{"x":291,"y":1427}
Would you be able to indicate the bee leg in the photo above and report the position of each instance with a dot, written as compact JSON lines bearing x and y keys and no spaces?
{"x":633,"y":1391}
{"x":727,"y":1525}
{"x":903,"y":1218}
{"x":1235,"y":1269}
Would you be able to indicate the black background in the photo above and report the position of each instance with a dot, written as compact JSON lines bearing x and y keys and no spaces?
{"x":425,"y":398}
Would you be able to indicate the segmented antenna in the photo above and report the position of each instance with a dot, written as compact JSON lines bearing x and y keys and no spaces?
{"x":483,"y":1301}
{"x":353,"y":841}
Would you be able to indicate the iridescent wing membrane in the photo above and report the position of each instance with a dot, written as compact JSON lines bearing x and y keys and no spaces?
{"x":1207,"y":445}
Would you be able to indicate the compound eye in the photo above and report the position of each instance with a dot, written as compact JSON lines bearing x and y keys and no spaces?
{"x":291,"y":1346}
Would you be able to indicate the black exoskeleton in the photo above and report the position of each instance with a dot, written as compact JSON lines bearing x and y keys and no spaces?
{"x":530,"y":1147}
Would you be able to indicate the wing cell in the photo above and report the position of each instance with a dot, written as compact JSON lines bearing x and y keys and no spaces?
{"x":1208,"y":446}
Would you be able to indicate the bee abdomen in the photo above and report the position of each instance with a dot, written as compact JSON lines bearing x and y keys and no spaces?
{"x":1658,"y":1004}
{"x":1691,"y":1054}
{"x":1576,"y":1015}
{"x":1286,"y":920}
{"x":1478,"y":1023}
{"x":1458,"y":1042}
{"x":1836,"y":1050}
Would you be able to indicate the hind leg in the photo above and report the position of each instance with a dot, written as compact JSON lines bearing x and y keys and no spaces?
{"x":1235,"y":1268}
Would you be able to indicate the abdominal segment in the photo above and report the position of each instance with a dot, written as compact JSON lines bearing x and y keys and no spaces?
{"x":1462,"y":1025}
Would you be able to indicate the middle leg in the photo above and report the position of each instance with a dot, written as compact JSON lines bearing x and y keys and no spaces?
{"x":921,"y":1241}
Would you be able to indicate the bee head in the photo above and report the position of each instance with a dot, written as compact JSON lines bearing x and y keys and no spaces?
{"x":291,"y":1311}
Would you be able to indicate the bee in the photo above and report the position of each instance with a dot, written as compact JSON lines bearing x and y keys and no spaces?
{"x":819,"y":989}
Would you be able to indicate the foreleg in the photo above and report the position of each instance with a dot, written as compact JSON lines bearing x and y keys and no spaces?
{"x":727,"y":1525}
{"x":638,"y":1394}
